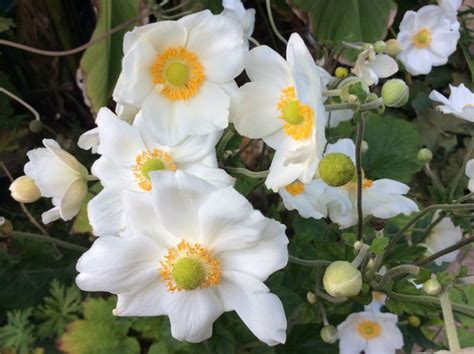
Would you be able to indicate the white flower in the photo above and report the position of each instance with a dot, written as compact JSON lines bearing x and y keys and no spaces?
{"x":370,"y":66}
{"x":174,"y":72}
{"x":460,"y":102}
{"x":450,"y":8}
{"x":339,"y":116}
{"x":427,"y":39}
{"x":370,"y":332}
{"x":470,"y":174}
{"x":194,"y":252}
{"x":246,"y":17}
{"x":128,"y":157}
{"x":443,"y":235}
{"x":59,"y":176}
{"x":382,"y":198}
{"x":283,"y":105}
{"x":378,"y":300}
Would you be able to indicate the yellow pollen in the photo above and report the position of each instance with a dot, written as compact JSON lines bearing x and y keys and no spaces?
{"x":352,"y":186}
{"x":178,"y":72}
{"x":468,"y":105}
{"x":188,"y":267}
{"x":148,"y":161}
{"x":296,"y":188}
{"x":298,"y":117}
{"x":368,"y":329}
{"x":422,"y":38}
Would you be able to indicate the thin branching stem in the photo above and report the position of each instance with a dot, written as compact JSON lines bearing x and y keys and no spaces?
{"x":359,"y":139}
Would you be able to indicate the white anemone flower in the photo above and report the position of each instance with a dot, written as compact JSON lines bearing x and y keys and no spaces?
{"x":283,"y":105}
{"x":174,"y":71}
{"x":246,"y":17}
{"x":383,"y":198}
{"x":470,"y":174}
{"x":443,"y":235}
{"x":128,"y":157}
{"x":369,"y":332}
{"x":59,"y":176}
{"x":460,"y":102}
{"x":371,"y":67}
{"x":427,"y":39}
{"x":194,"y":252}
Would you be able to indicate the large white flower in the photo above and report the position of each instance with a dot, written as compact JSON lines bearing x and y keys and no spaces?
{"x":194,"y":252}
{"x":382,"y":198}
{"x":371,"y":333}
{"x":174,"y":72}
{"x":443,"y":235}
{"x":246,"y":17}
{"x":427,"y":39}
{"x":59,"y":176}
{"x":128,"y":157}
{"x":470,"y":174}
{"x":460,"y":102}
{"x":283,"y":105}
{"x":370,"y":66}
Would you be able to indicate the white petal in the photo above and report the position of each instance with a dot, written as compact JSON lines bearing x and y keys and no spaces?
{"x":69,"y":160}
{"x":281,"y":172}
{"x":147,"y":301}
{"x":105,"y":212}
{"x":343,"y":146}
{"x":267,"y":66}
{"x":470,"y":168}
{"x":195,"y":148}
{"x":444,"y":43}
{"x":50,"y":215}
{"x":89,"y":140}
{"x":438,"y":97}
{"x":192,"y":20}
{"x":428,"y":17}
{"x":114,"y":176}
{"x":72,"y":200}
{"x":417,"y":61}
{"x":384,"y":66}
{"x":215,"y":176}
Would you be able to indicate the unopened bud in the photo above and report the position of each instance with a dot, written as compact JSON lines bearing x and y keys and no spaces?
{"x":329,"y":334}
{"x":432,"y":286}
{"x":24,"y":190}
{"x":35,"y":126}
{"x":370,"y":263}
{"x":395,"y":93}
{"x":6,"y":227}
{"x":352,"y":99}
{"x":425,"y":155}
{"x":414,"y":321}
{"x":358,"y":245}
{"x":342,"y":279}
{"x":364,"y":147}
{"x":336,"y":169}
{"x":380,"y":46}
{"x":393,"y":47}
{"x":311,"y":297}
{"x":341,"y":72}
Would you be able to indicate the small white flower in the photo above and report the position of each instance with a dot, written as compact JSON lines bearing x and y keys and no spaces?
{"x":194,"y":252}
{"x":370,"y":332}
{"x":128,"y":157}
{"x":246,"y":17}
{"x":283,"y":105}
{"x":174,"y":71}
{"x":370,"y":66}
{"x":443,"y":235}
{"x":470,"y":174}
{"x":460,"y":102}
{"x":427,"y":39}
{"x":378,"y":300}
{"x":382,"y":198}
{"x":450,"y":8}
{"x":59,"y":176}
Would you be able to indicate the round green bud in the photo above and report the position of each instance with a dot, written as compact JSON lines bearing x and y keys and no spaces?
{"x":342,"y":279}
{"x":393,"y":47}
{"x":24,"y":190}
{"x":336,"y":169}
{"x":380,"y":46}
{"x":364,"y":147}
{"x":329,"y":334}
{"x":425,"y":155}
{"x":188,"y":273}
{"x":432,"y":286}
{"x":311,"y":297}
{"x":341,"y":72}
{"x":414,"y":321}
{"x":395,"y":93}
{"x":35,"y":126}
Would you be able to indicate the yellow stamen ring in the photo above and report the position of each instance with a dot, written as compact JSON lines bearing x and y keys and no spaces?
{"x":298,"y":117}
{"x":422,"y":38}
{"x":148,"y":161}
{"x":368,"y":329}
{"x":179,"y":72}
{"x":352,"y":186}
{"x":296,"y":188}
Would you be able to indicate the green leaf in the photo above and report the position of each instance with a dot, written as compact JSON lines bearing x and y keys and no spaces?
{"x":463,"y":295}
{"x":348,"y":20}
{"x":379,"y":244}
{"x":61,"y":307}
{"x":393,"y":148}
{"x":6,"y":24}
{"x":18,"y":333}
{"x":101,"y":63}
{"x":349,"y":238}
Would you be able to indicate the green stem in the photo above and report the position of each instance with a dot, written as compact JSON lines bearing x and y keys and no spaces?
{"x":352,"y":46}
{"x":360,"y":256}
{"x":449,"y":323}
{"x":272,"y":22}
{"x":358,"y":157}
{"x":459,"y":176}
{"x":430,"y":174}
{"x":355,"y":106}
{"x":248,"y":173}
{"x":52,"y":240}
{"x":332,"y":93}
{"x":397,"y":271}
{"x":447,"y":250}
{"x":308,"y":263}
{"x":334,"y":300}
{"x":228,"y":134}
{"x":465,"y":198}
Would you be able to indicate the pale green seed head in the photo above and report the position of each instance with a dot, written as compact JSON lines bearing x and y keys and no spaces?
{"x":336,"y":169}
{"x":395,"y":93}
{"x":188,"y":273}
{"x":432,"y":286}
{"x":342,"y":279}
{"x":329,"y":334}
{"x":152,"y":165}
{"x":177,"y":74}
{"x":291,"y":113}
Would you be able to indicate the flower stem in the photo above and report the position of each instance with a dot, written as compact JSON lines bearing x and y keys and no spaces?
{"x":52,"y":240}
{"x":272,"y":22}
{"x":248,"y":173}
{"x":359,"y":139}
{"x":430,"y":174}
{"x":352,"y":46}
{"x":397,"y":271}
{"x":308,"y":263}
{"x":19,"y":100}
{"x":449,"y":323}
{"x":228,"y":134}
{"x":447,"y":250}
{"x":360,"y":256}
{"x":332,"y":93}
{"x":355,"y":106}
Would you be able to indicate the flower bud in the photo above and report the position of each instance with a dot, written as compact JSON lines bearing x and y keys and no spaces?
{"x":425,"y":155}
{"x":358,"y":245}
{"x":380,"y":46}
{"x":395,"y":93}
{"x":24,"y":190}
{"x":364,"y":147}
{"x":342,"y":279}
{"x":370,"y":263}
{"x":35,"y":126}
{"x":352,"y":99}
{"x":6,"y":227}
{"x":329,"y":334}
{"x":414,"y":321}
{"x":393,"y":47}
{"x":432,"y":286}
{"x":311,"y":297}
{"x":341,"y":72}
{"x":336,"y":169}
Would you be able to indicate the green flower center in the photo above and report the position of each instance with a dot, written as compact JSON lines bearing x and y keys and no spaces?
{"x":177,"y":74}
{"x":291,"y":113}
{"x":336,"y":169}
{"x":152,"y":165}
{"x":188,"y":273}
